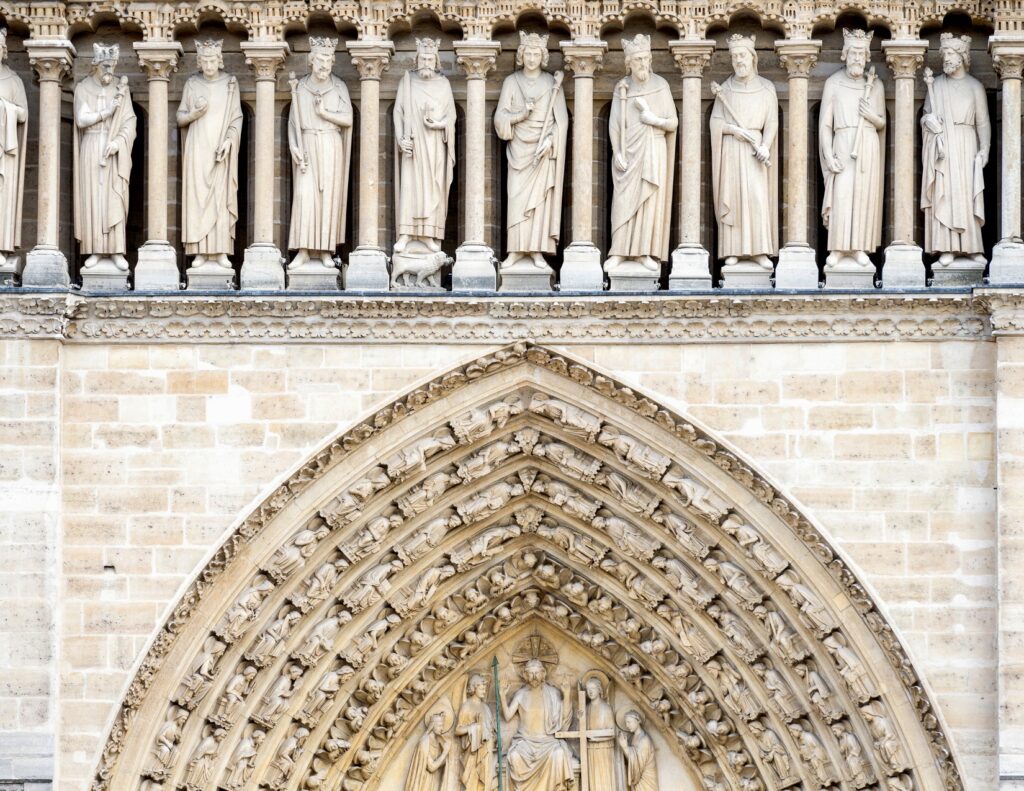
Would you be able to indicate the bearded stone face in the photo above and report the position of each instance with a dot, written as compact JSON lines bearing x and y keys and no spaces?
{"x":856,"y":60}
{"x":426,"y":64}
{"x":743,"y":63}
{"x":640,"y":66}
{"x":322,"y":64}
{"x":951,"y":61}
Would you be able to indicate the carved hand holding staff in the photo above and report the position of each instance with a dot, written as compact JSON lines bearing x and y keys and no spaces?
{"x":716,"y":91}
{"x":868,"y":83}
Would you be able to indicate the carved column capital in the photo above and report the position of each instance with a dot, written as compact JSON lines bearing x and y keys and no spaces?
{"x":159,"y":59}
{"x":51,"y":58}
{"x":904,"y":56}
{"x":371,"y":58}
{"x":692,"y":56}
{"x":476,"y":57}
{"x":584,"y":57}
{"x":798,"y":56}
{"x":265,"y":58}
{"x":1007,"y":56}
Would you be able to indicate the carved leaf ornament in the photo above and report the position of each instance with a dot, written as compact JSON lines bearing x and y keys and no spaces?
{"x":314,"y":644}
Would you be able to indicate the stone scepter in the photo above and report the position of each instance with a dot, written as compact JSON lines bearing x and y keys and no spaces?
{"x":497,"y":721}
{"x":860,"y":121}
{"x":293,"y":82}
{"x":716,"y":91}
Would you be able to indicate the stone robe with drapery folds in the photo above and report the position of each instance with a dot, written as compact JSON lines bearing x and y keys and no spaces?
{"x":745,"y":190}
{"x":320,"y":195}
{"x":642,"y":197}
{"x":641,"y":770}
{"x":853,"y":197}
{"x":100,"y":182}
{"x":422,"y":180}
{"x":952,"y":188}
{"x":537,"y":759}
{"x":12,"y":157}
{"x":604,"y":758}
{"x":210,"y":188}
{"x":420,"y":777}
{"x":534,"y":207}
{"x":477,"y":743}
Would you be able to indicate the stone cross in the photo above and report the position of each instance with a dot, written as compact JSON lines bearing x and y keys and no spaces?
{"x":584,"y":734}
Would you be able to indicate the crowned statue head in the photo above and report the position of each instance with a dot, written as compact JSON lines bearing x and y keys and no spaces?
{"x":428,"y":58}
{"x":637,"y":51}
{"x":856,"y":51}
{"x":104,"y":60}
{"x":743,"y":54}
{"x":210,"y":55}
{"x":532,"y":54}
{"x":956,"y":53}
{"x":321,"y":56}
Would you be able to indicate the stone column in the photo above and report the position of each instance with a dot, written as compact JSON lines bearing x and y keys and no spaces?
{"x":691,"y":263}
{"x":45,"y":264}
{"x":157,"y":269}
{"x":1008,"y":255}
{"x":798,"y":266}
{"x":904,"y":265}
{"x":474,"y":268}
{"x":367,"y":268}
{"x":263,"y":265}
{"x":581,"y":263}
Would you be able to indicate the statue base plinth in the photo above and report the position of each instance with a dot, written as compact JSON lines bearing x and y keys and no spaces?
{"x":691,"y":269}
{"x":523,"y":275}
{"x":797,"y":268}
{"x":631,"y":275}
{"x":104,"y":276}
{"x":848,"y":273}
{"x":157,"y":269}
{"x":210,"y":277}
{"x":903,"y":267}
{"x":747,"y":275}
{"x":581,"y":268}
{"x":45,"y":267}
{"x":314,"y":276}
{"x":367,"y":270}
{"x":262,"y":268}
{"x":417,"y":268}
{"x":962,"y":271}
{"x":474,"y":269}
{"x":8,"y":269}
{"x":1007,"y":267}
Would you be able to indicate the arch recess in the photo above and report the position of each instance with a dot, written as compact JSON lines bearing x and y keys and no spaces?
{"x":521,"y":494}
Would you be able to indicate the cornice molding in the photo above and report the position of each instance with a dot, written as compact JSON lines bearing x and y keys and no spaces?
{"x":602,"y":319}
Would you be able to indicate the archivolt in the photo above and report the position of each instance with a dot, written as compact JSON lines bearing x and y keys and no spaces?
{"x":518,"y":489}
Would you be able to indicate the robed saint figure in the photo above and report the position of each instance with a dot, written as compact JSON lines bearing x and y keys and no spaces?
{"x":13,"y":125}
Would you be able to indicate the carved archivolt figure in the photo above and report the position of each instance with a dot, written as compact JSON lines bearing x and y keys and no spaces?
{"x":270,"y":644}
{"x":639,"y":456}
{"x":13,"y":126}
{"x":415,"y":455}
{"x":627,"y":537}
{"x":243,"y":760}
{"x":573,"y":419}
{"x":857,"y":767}
{"x":887,"y":743}
{"x":284,"y":761}
{"x":489,"y":501}
{"x":744,"y":161}
{"x":638,"y":749}
{"x":773,"y":751}
{"x":104,"y":136}
{"x":235,"y":692}
{"x":642,"y":129}
{"x":167,"y":738}
{"x":293,"y":555}
{"x":484,"y":421}
{"x":210,"y":114}
{"x":851,"y":133}
{"x":199,"y":776}
{"x":532,"y":116}
{"x":320,"y":142}
{"x":475,"y":729}
{"x":424,"y":119}
{"x":957,"y":137}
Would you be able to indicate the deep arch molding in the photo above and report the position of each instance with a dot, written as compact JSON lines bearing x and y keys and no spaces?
{"x":522,"y":493}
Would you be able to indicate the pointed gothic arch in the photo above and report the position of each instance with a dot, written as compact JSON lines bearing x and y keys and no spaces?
{"x":525,"y":491}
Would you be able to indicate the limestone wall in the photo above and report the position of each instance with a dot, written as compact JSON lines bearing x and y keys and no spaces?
{"x":162,"y":446}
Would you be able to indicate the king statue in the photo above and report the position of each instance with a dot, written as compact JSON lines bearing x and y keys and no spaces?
{"x":744,"y":163}
{"x":642,"y":128}
{"x":13,"y":125}
{"x":320,"y":142}
{"x":957,"y":139}
{"x":851,"y":133}
{"x":210,"y":115}
{"x":532,"y":116}
{"x":424,"y":165}
{"x":103,"y":138}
